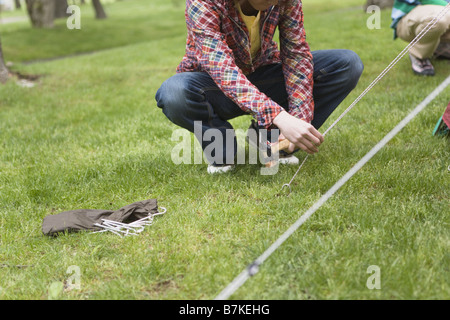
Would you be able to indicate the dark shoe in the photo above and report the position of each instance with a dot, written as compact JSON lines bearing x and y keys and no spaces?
{"x":421,"y":67}
{"x":442,"y":51}
{"x":263,"y":143}
{"x":256,"y":139}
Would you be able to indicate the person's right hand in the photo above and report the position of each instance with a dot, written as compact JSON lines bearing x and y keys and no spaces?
{"x":300,"y":133}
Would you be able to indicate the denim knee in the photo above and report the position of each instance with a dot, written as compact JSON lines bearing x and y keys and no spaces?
{"x":171,"y":97}
{"x":354,"y":65}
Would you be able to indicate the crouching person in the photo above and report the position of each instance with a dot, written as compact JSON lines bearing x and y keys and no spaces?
{"x":233,"y":67}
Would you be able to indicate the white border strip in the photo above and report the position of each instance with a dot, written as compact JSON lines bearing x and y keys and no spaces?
{"x":253,"y":268}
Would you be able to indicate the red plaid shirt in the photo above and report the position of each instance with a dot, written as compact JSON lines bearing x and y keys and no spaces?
{"x":218,"y":43}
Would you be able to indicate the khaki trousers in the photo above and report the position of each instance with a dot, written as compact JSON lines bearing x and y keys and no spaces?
{"x":415,"y":21}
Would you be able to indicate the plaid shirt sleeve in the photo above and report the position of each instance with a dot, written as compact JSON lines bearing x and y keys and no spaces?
{"x":297,"y":61}
{"x":216,"y":58}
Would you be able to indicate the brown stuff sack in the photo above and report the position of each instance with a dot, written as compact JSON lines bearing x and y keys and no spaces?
{"x":85,"y":219}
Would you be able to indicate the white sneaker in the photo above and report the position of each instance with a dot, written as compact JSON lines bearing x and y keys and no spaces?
{"x":220,"y":169}
{"x":289,"y":159}
{"x":284,"y":159}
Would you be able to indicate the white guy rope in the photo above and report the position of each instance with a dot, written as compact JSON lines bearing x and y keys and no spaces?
{"x":421,"y":34}
{"x":254,"y":267}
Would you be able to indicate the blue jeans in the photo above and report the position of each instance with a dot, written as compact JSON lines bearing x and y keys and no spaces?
{"x":194,"y":96}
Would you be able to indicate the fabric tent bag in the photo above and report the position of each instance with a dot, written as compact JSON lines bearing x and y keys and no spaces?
{"x":128,"y":220}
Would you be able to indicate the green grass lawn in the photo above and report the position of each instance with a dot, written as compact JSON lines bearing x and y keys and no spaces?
{"x":89,"y":135}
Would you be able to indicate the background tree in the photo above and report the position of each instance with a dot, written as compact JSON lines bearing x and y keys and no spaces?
{"x":18,"y":4}
{"x":381,"y":3}
{"x":61,"y":9}
{"x":4,"y":73}
{"x":41,"y":12}
{"x":99,"y":11}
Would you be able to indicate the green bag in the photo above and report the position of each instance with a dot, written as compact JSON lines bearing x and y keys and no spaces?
{"x":442,"y":126}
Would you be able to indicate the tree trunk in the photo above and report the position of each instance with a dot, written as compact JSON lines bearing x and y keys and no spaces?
{"x":99,"y":12}
{"x":18,"y":5}
{"x":41,"y":12}
{"x":380,"y":3}
{"x":4,"y":73}
{"x":61,"y":9}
